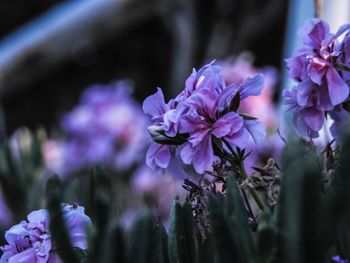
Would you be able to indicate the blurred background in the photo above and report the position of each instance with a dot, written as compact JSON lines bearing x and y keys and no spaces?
{"x":51,"y":50}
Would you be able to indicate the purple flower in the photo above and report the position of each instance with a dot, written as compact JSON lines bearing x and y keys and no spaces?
{"x":106,"y":128}
{"x":158,"y":156}
{"x":205,"y":118}
{"x":322,"y":85}
{"x":315,"y":61}
{"x":338,"y":259}
{"x":30,"y":240}
{"x":308,"y":120}
{"x":202,"y":110}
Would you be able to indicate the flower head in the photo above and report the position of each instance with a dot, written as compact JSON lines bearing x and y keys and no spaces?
{"x":207,"y":109}
{"x":318,"y":67}
{"x":30,"y":240}
{"x":107,"y":127}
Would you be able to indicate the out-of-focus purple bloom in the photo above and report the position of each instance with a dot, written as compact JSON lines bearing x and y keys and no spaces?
{"x":202,"y":110}
{"x":53,"y":155}
{"x":262,"y":107}
{"x":107,"y":127}
{"x":5,"y":213}
{"x":146,"y":182}
{"x":338,"y":259}
{"x":319,"y":67}
{"x":30,"y":240}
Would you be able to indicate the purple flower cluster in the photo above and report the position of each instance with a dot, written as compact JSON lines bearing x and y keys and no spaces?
{"x":30,"y":240}
{"x":321,"y":68}
{"x":107,"y":127}
{"x":204,"y":114}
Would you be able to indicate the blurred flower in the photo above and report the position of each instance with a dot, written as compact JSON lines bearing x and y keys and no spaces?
{"x":338,"y":259}
{"x":262,"y":106}
{"x":205,"y":108}
{"x":152,"y":186}
{"x":5,"y":213}
{"x":320,"y":68}
{"x":30,"y":240}
{"x":53,"y":154}
{"x":107,"y":127}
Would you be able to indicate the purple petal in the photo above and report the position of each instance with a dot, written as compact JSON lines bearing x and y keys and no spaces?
{"x":193,"y":122}
{"x":204,"y":157}
{"x":304,"y":90}
{"x":290,"y":98}
{"x":256,"y":129}
{"x":158,"y":156}
{"x":225,"y":97}
{"x":314,"y":118}
{"x":154,"y":105}
{"x":39,"y":216}
{"x":230,"y":123}
{"x":252,"y":86}
{"x":314,"y":32}
{"x":16,"y":234}
{"x":331,"y":37}
{"x":77,"y":223}
{"x":26,"y":256}
{"x":317,"y":69}
{"x":337,"y":88}
{"x":204,"y":102}
{"x":325,"y":100}
{"x":302,"y":127}
{"x":187,"y":153}
{"x":296,"y":67}
{"x":239,"y":139}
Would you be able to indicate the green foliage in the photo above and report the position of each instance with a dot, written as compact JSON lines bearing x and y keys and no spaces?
{"x":310,"y":223}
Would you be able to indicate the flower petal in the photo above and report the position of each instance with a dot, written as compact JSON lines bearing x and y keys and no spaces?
{"x":239,"y":139}
{"x":154,"y":105}
{"x":256,"y":129}
{"x":230,"y":123}
{"x":337,"y":88}
{"x":158,"y":156}
{"x":314,"y":118}
{"x":204,"y":157}
{"x":252,"y":86}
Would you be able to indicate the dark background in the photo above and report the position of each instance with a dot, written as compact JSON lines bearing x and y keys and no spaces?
{"x":159,"y":51}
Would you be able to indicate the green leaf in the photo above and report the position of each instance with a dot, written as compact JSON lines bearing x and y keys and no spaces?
{"x":57,"y":225}
{"x":266,"y":237}
{"x":178,"y":241}
{"x":139,"y":249}
{"x":237,"y":215}
{"x":160,"y":246}
{"x":304,"y":233}
{"x":115,"y":249}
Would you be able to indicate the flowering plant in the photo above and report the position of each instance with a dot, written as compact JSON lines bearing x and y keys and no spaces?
{"x":321,"y":69}
{"x":106,"y":128}
{"x":30,"y":240}
{"x":204,"y":119}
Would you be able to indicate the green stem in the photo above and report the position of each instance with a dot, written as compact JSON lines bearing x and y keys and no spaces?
{"x":245,"y":175}
{"x":251,"y":190}
{"x":342,"y":67}
{"x":230,"y":148}
{"x":256,"y":198}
